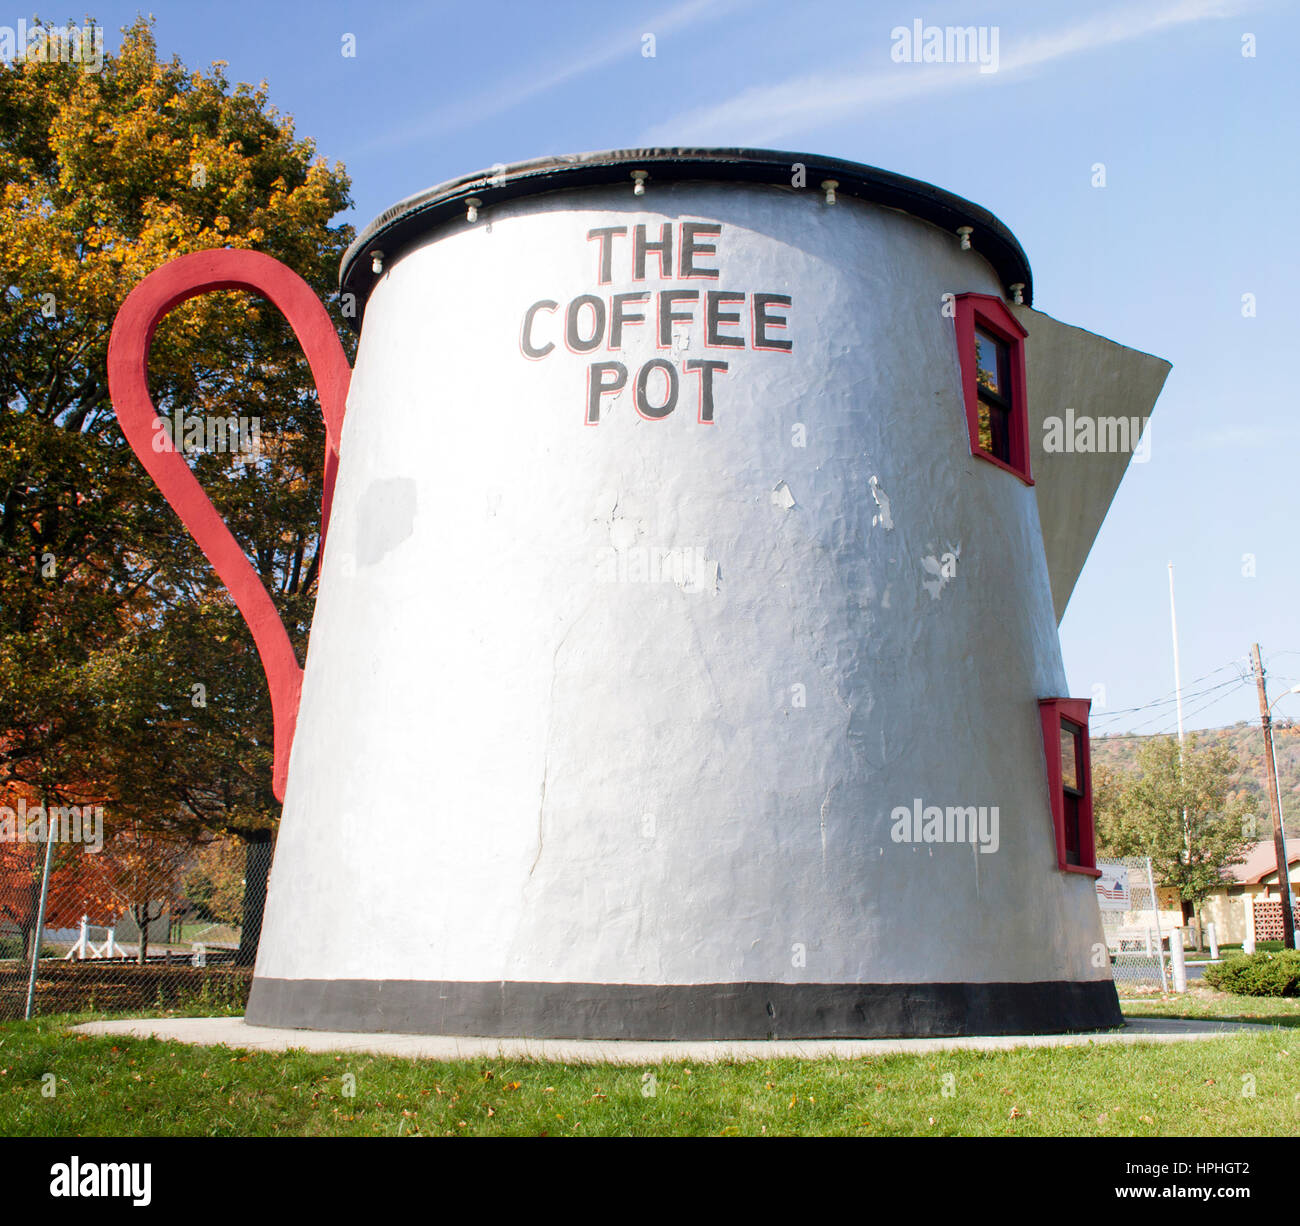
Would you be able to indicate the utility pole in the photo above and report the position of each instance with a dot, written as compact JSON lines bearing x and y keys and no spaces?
{"x":1279,"y":838}
{"x":1178,"y":691}
{"x":1178,"y":675}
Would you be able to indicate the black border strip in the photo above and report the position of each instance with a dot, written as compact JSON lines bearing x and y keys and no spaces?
{"x":405,"y":224}
{"x":684,"y":1011}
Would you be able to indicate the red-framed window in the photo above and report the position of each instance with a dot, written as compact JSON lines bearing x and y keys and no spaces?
{"x":1069,"y":782}
{"x":991,"y":351}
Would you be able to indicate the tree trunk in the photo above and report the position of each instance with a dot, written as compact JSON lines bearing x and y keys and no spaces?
{"x":257,"y":866}
{"x":1190,"y":919}
{"x":141,"y":915}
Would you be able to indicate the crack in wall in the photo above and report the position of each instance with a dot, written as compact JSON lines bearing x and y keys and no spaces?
{"x":546,"y":757}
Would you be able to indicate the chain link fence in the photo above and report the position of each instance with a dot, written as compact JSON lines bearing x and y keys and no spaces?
{"x":142,"y":923}
{"x":136,"y":923}
{"x":1137,"y":937}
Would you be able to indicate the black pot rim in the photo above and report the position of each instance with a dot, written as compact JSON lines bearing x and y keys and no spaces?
{"x":409,"y":221}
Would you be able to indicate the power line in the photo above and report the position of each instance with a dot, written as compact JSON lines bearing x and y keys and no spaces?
{"x":1172,"y":695}
{"x":1232,"y":681}
{"x":1220,"y":690}
{"x":1236,"y":683}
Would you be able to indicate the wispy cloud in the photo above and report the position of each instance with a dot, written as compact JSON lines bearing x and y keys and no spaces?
{"x":765,"y":113}
{"x":499,"y":97}
{"x":1246,"y":438}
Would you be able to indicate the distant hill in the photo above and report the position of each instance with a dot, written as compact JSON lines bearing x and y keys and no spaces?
{"x":1245,"y":741}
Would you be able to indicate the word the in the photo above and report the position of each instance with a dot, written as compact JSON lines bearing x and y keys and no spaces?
{"x":956,"y":824}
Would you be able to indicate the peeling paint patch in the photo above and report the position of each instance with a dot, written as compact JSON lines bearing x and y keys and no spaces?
{"x":782,"y":497}
{"x":822,"y":821}
{"x":882,"y":515}
{"x":941,"y":570}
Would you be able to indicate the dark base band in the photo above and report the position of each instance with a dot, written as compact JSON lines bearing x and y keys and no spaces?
{"x":690,"y":1011}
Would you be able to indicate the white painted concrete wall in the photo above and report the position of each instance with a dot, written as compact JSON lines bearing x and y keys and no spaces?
{"x":507,"y":768}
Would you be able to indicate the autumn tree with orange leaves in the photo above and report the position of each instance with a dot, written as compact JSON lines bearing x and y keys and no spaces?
{"x":122,"y":660}
{"x":78,"y":883}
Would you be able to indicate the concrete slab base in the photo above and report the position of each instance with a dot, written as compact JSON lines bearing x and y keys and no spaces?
{"x":235,"y":1032}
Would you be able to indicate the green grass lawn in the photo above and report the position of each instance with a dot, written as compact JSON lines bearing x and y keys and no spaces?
{"x":1243,"y":1085}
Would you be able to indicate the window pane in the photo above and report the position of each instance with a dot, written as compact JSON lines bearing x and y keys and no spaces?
{"x":1070,"y":755}
{"x":1072,"y":847}
{"x":995,"y":430}
{"x":991,"y":364}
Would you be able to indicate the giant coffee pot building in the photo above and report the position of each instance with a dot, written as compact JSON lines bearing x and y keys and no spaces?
{"x":685,"y":660}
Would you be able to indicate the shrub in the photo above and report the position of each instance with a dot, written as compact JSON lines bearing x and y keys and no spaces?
{"x":1258,"y":974}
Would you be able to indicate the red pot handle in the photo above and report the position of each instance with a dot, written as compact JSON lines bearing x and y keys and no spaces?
{"x":128,"y":384}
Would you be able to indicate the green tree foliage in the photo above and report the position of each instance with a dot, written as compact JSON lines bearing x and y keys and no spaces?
{"x":1245,"y":742}
{"x":1178,"y":807}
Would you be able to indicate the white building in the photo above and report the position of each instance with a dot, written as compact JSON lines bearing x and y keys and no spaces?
{"x":685,"y":661}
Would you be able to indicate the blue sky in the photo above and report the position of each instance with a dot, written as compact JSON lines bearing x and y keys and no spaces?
{"x":1200,"y":147}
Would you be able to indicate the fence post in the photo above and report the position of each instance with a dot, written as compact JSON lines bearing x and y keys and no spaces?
{"x":1178,"y":960}
{"x":40,"y":915}
{"x":1248,"y":941}
{"x":1212,"y":936}
{"x":1155,"y":915}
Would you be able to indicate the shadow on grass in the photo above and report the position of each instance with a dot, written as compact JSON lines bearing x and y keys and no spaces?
{"x":1255,"y":1019}
{"x":1204,"y":1004}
